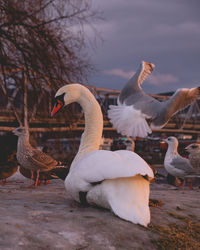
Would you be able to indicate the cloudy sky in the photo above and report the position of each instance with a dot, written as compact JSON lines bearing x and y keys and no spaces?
{"x":164,"y":32}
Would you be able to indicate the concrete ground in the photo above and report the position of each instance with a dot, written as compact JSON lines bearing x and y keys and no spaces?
{"x":47,"y":218}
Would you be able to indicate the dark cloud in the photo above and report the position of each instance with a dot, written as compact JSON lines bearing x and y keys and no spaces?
{"x":164,"y":32}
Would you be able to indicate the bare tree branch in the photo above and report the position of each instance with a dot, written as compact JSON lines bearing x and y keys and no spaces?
{"x":39,"y":37}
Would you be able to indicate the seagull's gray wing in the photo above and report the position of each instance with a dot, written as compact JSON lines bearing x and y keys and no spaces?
{"x":133,"y":85}
{"x":194,"y":159}
{"x":148,"y":105}
{"x":134,"y":106}
{"x":132,"y":93}
{"x":183,"y":164}
{"x":179,"y":100}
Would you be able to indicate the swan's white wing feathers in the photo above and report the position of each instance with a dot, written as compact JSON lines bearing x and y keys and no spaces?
{"x":128,"y":120}
{"x":128,"y":198}
{"x":100,"y":165}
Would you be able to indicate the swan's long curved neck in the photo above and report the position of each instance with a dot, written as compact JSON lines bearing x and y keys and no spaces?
{"x":91,"y":138}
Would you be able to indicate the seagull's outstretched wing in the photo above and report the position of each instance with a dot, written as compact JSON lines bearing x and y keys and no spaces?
{"x":133,"y":85}
{"x":178,"y":101}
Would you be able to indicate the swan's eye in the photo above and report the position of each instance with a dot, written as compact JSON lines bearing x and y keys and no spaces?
{"x":194,"y":146}
{"x":60,"y":99}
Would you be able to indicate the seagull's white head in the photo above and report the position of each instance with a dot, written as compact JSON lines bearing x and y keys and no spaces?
{"x":20,"y":131}
{"x":193,"y":148}
{"x":171,"y":141}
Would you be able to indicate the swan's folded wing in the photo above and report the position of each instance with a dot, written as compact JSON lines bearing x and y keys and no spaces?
{"x":101,"y":164}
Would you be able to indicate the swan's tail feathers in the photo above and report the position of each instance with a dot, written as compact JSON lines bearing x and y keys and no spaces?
{"x":128,"y":121}
{"x":135,"y":205}
{"x":128,"y":198}
{"x":60,"y":172}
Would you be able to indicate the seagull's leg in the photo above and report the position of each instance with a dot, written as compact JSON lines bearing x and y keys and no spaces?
{"x":32,"y":178}
{"x":31,"y":174}
{"x":6,"y":181}
{"x":182,"y":184}
{"x":46,"y":182}
{"x":37,"y":178}
{"x":39,"y":182}
{"x":3,"y":182}
{"x":190,"y":186}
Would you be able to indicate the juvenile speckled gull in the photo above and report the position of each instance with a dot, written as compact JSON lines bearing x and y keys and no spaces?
{"x":135,"y":107}
{"x":174,"y":163}
{"x":31,"y":158}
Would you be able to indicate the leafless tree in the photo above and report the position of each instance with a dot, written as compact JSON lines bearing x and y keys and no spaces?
{"x":43,"y":41}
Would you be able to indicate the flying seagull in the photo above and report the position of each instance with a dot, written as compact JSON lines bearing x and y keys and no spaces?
{"x":174,"y":163}
{"x":136,"y":109}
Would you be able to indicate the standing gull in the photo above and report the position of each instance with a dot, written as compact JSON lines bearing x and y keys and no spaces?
{"x":135,"y":107}
{"x":31,"y":158}
{"x":194,"y":156}
{"x":174,"y":163}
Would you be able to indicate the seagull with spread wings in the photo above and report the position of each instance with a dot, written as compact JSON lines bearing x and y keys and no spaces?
{"x":137,"y":112}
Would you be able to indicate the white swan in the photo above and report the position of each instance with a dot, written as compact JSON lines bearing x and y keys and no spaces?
{"x":114,"y":180}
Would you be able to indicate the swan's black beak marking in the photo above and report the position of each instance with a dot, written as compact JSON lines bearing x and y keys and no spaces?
{"x":59,"y":103}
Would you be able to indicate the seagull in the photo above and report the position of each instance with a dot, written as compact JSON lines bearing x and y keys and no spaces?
{"x":194,"y":156}
{"x":136,"y":109}
{"x":31,"y":158}
{"x":174,"y":163}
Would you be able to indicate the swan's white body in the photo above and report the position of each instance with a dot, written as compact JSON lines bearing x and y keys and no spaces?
{"x":111,"y":180}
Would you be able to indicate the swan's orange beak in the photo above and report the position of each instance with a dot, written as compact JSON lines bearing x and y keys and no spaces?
{"x":57,"y":106}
